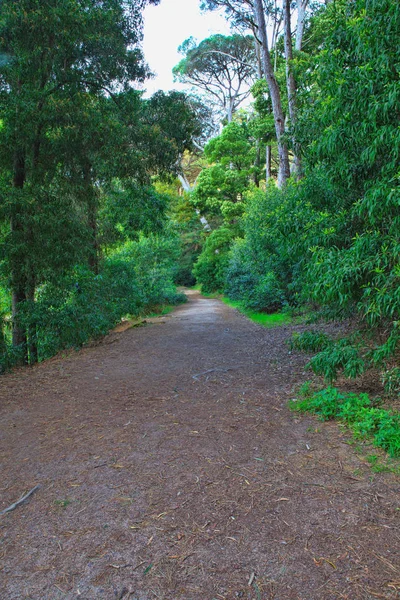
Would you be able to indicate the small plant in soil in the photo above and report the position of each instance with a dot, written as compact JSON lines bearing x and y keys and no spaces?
{"x":359,"y":412}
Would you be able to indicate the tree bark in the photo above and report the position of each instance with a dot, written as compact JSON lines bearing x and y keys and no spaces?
{"x":184,"y":183}
{"x":291,"y":87}
{"x":301,"y":19}
{"x":268,"y":161}
{"x":92,"y":204}
{"x":18,"y":276}
{"x":32,"y":327}
{"x":279,"y":118}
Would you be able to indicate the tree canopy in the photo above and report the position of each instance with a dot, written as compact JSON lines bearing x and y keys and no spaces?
{"x":222,"y":67}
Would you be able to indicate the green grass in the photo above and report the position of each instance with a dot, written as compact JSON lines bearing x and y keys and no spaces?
{"x":266,"y":320}
{"x":160,"y":311}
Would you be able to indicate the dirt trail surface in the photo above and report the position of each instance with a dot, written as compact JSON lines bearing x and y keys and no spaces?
{"x":170,"y":468}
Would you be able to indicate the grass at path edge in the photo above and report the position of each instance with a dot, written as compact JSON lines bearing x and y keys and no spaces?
{"x":266,"y":320}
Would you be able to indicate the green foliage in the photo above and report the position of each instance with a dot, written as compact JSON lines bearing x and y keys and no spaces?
{"x":357,"y":411}
{"x":190,"y":230}
{"x":222,"y":67}
{"x":220,"y":188}
{"x":353,"y":135}
{"x":310,"y":341}
{"x":78,"y":148}
{"x":210,"y":267}
{"x":342,"y":356}
{"x":330,"y":241}
{"x":256,"y":290}
{"x":391,"y":380}
{"x":267,"y":268}
{"x":129,"y":209}
{"x":135,"y":278}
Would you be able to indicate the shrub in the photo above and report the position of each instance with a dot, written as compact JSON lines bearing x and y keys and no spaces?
{"x":135,"y":278}
{"x":211,"y":265}
{"x":310,"y":341}
{"x":268,"y":266}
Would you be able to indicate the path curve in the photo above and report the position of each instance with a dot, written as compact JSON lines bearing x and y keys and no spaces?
{"x":169,"y":467}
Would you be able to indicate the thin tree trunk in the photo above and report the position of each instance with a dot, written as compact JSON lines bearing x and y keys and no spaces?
{"x":301,"y":19}
{"x":257,"y":163}
{"x":268,"y":161}
{"x":18,"y":278}
{"x":284,"y":168}
{"x":258,"y":57}
{"x":291,"y":87}
{"x":184,"y":182}
{"x":32,"y":327}
{"x":92,"y":204}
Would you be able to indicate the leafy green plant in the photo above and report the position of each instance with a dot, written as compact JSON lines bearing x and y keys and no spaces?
{"x":359,"y":412}
{"x":210,"y":267}
{"x":136,"y":278}
{"x":391,"y":380}
{"x":310,"y":341}
{"x":342,"y":356}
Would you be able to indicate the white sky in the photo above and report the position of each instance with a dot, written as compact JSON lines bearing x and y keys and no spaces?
{"x":166,"y":26}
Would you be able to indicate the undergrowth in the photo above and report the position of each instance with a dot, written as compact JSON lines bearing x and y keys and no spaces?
{"x":359,"y":412}
{"x":266,"y":320}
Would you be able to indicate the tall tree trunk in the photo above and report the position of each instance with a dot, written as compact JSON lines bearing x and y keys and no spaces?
{"x":18,"y":276}
{"x":184,"y":182}
{"x":229,"y":114}
{"x":301,"y":19}
{"x":291,"y":86}
{"x":279,"y":118}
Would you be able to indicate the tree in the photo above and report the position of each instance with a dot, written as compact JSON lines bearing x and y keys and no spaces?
{"x":253,"y":14}
{"x":290,"y":79}
{"x":95,"y":50}
{"x":70,"y":122}
{"x":264,"y":18}
{"x":279,"y":117}
{"x":223,"y":67}
{"x":220,"y":188}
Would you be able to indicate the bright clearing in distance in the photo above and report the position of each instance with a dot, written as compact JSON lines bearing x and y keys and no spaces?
{"x":166,"y":26}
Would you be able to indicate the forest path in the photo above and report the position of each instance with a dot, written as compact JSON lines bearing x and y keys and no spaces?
{"x":171,"y":468}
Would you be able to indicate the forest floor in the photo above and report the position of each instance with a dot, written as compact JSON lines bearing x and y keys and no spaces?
{"x":171,"y":468}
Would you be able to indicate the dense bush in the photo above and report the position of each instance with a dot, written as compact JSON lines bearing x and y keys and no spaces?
{"x":257,"y":290}
{"x":210,"y":268}
{"x":267,"y":267}
{"x":135,"y":278}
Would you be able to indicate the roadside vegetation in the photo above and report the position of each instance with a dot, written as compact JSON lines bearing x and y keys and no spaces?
{"x":363,"y":415}
{"x":86,"y":238}
{"x":325,"y":239}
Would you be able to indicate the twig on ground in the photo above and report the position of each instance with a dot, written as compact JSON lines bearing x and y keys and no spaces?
{"x":20,"y":501}
{"x":196,"y":377}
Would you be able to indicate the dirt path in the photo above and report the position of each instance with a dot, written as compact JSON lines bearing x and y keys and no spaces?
{"x":170,"y":468}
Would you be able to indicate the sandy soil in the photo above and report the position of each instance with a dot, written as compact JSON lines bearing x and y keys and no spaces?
{"x":169,"y":467}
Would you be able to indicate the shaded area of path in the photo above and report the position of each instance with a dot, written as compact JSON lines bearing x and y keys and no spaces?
{"x":171,"y":468}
